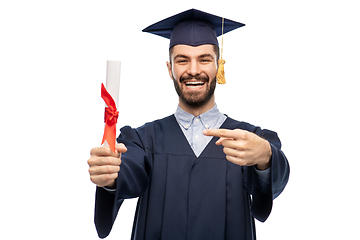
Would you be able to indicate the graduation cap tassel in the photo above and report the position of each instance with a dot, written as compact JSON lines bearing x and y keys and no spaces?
{"x":221,"y":73}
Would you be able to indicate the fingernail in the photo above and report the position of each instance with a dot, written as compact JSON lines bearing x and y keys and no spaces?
{"x":121,"y":145}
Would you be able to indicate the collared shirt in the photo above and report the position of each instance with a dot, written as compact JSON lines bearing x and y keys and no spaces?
{"x":193,"y":127}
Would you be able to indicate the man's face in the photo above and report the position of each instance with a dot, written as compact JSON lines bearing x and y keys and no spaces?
{"x":193,"y":70}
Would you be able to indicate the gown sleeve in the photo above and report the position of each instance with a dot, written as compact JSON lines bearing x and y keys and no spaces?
{"x":132,"y":181}
{"x":279,"y":174}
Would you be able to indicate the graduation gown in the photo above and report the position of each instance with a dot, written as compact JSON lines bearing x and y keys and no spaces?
{"x":184,"y":197}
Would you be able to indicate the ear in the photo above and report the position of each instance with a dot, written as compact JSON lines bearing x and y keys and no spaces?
{"x":169,"y":69}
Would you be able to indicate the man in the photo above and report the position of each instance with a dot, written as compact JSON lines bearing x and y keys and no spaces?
{"x":198,"y":173}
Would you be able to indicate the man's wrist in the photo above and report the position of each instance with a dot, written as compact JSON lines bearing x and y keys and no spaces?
{"x":112,"y":185}
{"x":267,"y":164}
{"x":263,"y":167}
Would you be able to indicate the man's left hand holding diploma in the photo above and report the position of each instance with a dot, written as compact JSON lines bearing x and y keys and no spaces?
{"x":104,"y":165}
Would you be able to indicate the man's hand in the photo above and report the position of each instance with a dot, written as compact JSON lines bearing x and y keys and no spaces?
{"x":104,"y":165}
{"x":242,"y":147}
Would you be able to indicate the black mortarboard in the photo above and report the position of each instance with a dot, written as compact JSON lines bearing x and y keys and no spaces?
{"x":193,"y":27}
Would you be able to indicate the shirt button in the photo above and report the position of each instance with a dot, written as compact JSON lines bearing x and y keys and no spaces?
{"x":207,"y":126}
{"x":196,"y":136}
{"x":187,"y":125}
{"x":197,"y":120}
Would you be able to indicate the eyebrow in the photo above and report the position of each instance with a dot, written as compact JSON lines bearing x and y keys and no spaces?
{"x":206,"y":55}
{"x":180,"y":56}
{"x":201,"y":56}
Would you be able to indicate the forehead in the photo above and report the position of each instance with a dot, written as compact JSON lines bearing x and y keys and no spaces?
{"x":191,"y":51}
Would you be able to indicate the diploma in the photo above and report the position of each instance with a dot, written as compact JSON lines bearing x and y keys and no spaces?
{"x":113,"y":79}
{"x":110,"y":94}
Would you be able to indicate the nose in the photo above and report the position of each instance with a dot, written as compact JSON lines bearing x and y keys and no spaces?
{"x":194,"y":68}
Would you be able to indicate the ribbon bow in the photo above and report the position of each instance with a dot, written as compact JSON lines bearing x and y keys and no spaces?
{"x":111,"y":116}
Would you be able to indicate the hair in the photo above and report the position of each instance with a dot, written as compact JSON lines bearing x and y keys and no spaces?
{"x":216,"y":50}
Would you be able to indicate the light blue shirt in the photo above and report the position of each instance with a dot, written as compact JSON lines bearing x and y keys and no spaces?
{"x":193,"y":127}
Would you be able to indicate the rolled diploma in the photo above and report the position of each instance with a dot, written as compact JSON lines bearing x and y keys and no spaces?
{"x":113,"y":82}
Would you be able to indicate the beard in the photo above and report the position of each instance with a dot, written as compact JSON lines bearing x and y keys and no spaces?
{"x":194,"y":99}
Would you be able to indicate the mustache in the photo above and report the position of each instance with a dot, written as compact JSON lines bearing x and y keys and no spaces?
{"x":191,"y":77}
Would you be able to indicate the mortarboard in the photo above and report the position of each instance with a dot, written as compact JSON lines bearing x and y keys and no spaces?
{"x":194,"y":28}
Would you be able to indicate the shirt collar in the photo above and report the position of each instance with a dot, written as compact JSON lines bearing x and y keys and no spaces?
{"x":207,"y":119}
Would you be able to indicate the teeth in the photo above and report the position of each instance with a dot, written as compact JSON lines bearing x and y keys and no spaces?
{"x":194,"y":83}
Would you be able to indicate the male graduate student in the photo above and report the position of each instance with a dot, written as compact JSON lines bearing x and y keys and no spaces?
{"x":198,"y":174}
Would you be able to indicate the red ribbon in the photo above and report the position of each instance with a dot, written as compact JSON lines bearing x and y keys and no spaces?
{"x":111,"y":116}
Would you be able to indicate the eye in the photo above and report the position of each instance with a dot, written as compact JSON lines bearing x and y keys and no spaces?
{"x":205,"y":60}
{"x":181,"y":61}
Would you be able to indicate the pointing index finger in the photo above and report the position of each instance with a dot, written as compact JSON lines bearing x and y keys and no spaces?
{"x":224,"y":133}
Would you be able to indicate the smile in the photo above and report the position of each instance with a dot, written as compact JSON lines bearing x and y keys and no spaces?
{"x":194,"y":83}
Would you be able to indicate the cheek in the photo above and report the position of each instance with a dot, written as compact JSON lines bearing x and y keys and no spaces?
{"x":211,"y":71}
{"x":214,"y":69}
{"x":177,"y":72}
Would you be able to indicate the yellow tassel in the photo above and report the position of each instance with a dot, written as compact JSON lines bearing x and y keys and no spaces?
{"x":220,"y":76}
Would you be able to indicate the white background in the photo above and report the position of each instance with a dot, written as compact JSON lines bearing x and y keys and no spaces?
{"x":294,"y":68}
